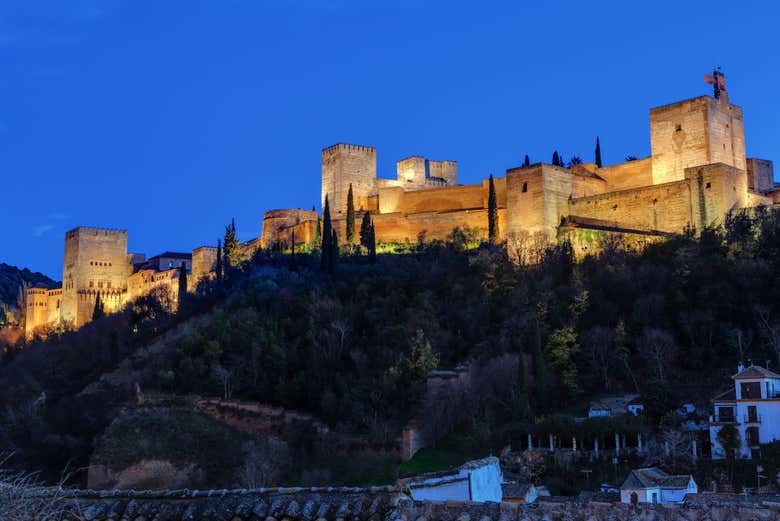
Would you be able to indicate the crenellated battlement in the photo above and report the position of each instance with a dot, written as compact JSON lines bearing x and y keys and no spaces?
{"x":348,"y":147}
{"x":75,"y":232}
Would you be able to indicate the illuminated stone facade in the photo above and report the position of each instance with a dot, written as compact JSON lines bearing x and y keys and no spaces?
{"x":96,"y":262}
{"x":697,"y":173}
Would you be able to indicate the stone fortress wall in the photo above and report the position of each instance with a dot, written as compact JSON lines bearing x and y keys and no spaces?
{"x":697,"y":173}
{"x":96,"y":262}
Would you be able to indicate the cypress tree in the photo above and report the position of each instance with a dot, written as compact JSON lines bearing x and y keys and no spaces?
{"x":492,"y":211}
{"x":598,"y":152}
{"x":98,"y":311}
{"x":231,"y":246}
{"x":556,"y":160}
{"x":350,"y":216}
{"x":527,"y":161}
{"x":182,"y":283}
{"x":318,"y":229}
{"x":334,"y":252}
{"x":365,"y":231}
{"x":372,"y":245}
{"x":219,"y":269}
{"x":326,"y":256}
{"x":293,"y":243}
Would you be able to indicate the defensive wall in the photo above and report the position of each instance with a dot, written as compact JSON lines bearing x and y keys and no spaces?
{"x":369,"y":504}
{"x":696,"y":174}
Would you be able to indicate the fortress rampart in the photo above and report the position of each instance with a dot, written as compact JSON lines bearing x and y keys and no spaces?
{"x":96,"y":262}
{"x":697,"y":173}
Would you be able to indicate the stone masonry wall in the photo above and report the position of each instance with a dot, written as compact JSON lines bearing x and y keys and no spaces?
{"x":695,"y":132}
{"x":95,"y":261}
{"x":663,"y":207}
{"x":343,"y":164}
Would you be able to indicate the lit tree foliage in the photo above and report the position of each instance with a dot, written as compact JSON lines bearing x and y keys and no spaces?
{"x":231,"y":251}
{"x":350,"y":216}
{"x":492,"y":211}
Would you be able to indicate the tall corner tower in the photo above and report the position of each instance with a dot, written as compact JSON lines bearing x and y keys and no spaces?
{"x":696,"y":132}
{"x":343,"y":164}
{"x":95,"y":262}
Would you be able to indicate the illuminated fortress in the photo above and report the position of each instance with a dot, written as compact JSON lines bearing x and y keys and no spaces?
{"x":698,"y":172}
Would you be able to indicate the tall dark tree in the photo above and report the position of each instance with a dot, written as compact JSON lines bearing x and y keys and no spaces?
{"x":293,"y":243}
{"x":182,"y":283}
{"x":372,"y":244}
{"x":526,"y":161}
{"x":317,"y":229}
{"x":231,"y":252}
{"x":598,"y":152}
{"x":492,"y":211}
{"x":365,"y":231}
{"x":326,"y":255}
{"x":219,"y":268}
{"x":98,"y":311}
{"x":334,"y":252}
{"x":556,"y":159}
{"x":350,"y":216}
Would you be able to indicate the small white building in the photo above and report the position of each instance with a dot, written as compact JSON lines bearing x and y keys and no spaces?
{"x":752,"y":407}
{"x":653,"y":485}
{"x":478,"y":480}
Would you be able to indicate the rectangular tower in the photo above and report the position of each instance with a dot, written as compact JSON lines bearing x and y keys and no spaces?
{"x":416,"y":172}
{"x":695,"y":132}
{"x":345,"y":164}
{"x":95,"y":262}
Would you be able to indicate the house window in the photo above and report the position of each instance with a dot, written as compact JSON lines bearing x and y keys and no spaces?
{"x":725,"y":414}
{"x":751,"y":390}
{"x":525,"y":187}
{"x":751,"y":436}
{"x":655,"y":497}
{"x":752,"y":414}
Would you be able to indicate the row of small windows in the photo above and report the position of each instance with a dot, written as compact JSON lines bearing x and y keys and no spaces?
{"x":99,"y":263}
{"x":99,"y":284}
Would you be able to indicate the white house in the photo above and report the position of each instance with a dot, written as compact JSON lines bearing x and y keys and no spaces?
{"x":752,"y":407}
{"x":653,"y":485}
{"x":478,"y":480}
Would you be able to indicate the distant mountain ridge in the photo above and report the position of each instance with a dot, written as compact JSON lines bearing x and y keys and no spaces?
{"x":12,"y":277}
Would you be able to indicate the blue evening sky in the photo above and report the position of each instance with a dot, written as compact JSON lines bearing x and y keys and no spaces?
{"x":167,"y":118}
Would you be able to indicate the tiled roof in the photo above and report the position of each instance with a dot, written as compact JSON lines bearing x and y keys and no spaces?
{"x":755,"y":371}
{"x":729,"y":395}
{"x":515,"y":490}
{"x":654,"y":477}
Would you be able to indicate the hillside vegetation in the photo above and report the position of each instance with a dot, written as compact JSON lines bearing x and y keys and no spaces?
{"x":355,"y":348}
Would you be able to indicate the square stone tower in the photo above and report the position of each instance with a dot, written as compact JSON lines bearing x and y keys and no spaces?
{"x":95,"y":262}
{"x":416,"y":172}
{"x":343,"y":164}
{"x":695,"y":132}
